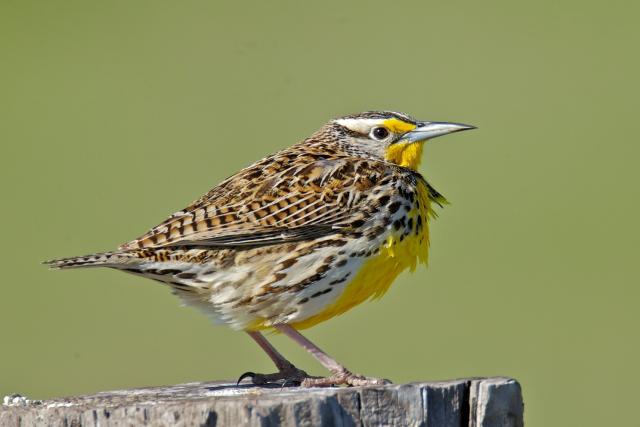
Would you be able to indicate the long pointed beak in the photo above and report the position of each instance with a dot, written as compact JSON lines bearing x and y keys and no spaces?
{"x":428,"y":130}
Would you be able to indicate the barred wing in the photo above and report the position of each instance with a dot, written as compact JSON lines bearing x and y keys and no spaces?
{"x":280,"y":199}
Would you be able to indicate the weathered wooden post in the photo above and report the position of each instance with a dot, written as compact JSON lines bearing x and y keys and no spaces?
{"x":467,"y":402}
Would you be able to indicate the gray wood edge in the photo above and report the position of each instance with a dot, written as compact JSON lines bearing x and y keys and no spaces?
{"x":472,"y":402}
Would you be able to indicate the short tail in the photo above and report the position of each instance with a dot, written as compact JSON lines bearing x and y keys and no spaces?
{"x":105,"y":259}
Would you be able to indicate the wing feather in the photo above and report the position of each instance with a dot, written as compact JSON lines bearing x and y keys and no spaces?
{"x":284,"y":198}
{"x":260,"y":238}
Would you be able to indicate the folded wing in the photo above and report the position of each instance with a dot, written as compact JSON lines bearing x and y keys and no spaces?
{"x":283,"y":198}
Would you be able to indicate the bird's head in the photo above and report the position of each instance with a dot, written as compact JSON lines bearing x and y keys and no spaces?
{"x":389,"y":136}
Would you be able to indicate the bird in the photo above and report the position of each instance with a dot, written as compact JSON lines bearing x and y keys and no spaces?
{"x":299,"y":237}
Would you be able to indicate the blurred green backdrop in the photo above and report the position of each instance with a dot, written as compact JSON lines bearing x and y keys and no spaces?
{"x":116,"y":114}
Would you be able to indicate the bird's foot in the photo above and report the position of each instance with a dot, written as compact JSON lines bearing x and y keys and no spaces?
{"x":287,"y":376}
{"x":343,"y":378}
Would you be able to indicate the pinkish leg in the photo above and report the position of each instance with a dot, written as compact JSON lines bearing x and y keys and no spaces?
{"x":287,"y":372}
{"x":277,"y":358}
{"x":340,"y":374}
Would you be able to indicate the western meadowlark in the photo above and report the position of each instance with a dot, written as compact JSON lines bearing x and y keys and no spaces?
{"x":298,"y":237}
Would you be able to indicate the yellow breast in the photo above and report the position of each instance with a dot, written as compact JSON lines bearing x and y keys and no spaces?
{"x":378,"y":272}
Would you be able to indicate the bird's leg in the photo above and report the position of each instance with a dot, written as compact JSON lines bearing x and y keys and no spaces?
{"x":287,"y":372}
{"x":339,"y":374}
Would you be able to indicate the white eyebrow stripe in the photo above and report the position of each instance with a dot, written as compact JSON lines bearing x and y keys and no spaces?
{"x":360,"y":125}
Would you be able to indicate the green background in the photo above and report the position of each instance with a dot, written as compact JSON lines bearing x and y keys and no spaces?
{"x":115,"y":114}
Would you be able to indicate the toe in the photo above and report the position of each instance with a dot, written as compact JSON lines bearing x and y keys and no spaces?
{"x":288,"y":377}
{"x":359,"y":380}
{"x":344,"y":378}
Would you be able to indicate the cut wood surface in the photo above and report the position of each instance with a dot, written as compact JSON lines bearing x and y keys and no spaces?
{"x":465,"y":402}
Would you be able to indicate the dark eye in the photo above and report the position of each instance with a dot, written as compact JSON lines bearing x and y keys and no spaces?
{"x":380,"y":133}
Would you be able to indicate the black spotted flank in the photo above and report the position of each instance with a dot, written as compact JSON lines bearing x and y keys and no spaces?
{"x":317,"y":294}
{"x":341,"y":263}
{"x":340,"y":280}
{"x":393,"y":207}
{"x":383,"y":200}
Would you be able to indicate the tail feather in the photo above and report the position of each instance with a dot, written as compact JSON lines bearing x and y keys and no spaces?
{"x":104,"y":259}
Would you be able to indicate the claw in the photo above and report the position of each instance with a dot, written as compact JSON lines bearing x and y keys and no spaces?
{"x":294,"y":382}
{"x":290,"y":376}
{"x":247,"y":374}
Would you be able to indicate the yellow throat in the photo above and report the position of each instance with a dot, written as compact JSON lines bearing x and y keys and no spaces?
{"x":407,"y":154}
